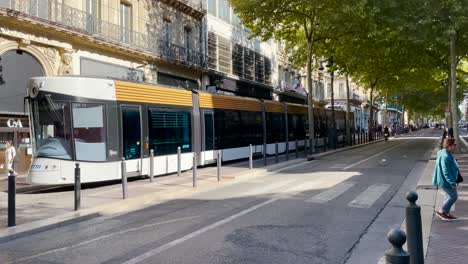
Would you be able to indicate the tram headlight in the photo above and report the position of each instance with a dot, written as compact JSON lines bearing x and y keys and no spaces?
{"x":33,"y":91}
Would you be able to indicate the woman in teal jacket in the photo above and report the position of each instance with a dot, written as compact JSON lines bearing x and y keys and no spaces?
{"x":445,"y":176}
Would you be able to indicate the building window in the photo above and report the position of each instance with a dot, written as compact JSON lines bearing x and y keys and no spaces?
{"x":166,"y":32}
{"x":187,"y":39}
{"x":212,"y":7}
{"x":329,"y":90}
{"x":224,"y":55}
{"x":236,"y":20}
{"x":212,"y":51}
{"x":92,"y":8}
{"x":341,"y":90}
{"x":223,"y":10}
{"x":125,"y":21}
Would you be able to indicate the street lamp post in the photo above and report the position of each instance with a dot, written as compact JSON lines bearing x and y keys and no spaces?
{"x":332,"y":76}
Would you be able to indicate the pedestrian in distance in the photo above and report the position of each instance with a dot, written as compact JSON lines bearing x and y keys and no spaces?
{"x":386,"y":133}
{"x":445,"y":176}
{"x":10,"y":155}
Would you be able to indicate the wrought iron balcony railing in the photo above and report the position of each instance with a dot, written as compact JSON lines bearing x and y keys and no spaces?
{"x":63,"y":15}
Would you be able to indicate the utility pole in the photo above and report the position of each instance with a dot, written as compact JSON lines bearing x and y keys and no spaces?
{"x":453,"y":81}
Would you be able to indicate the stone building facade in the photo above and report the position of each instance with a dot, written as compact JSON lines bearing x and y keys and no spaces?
{"x":154,"y":41}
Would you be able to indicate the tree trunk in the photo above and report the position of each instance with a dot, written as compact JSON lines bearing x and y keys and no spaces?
{"x":453,"y":81}
{"x":371,"y":114}
{"x":310,"y":98}
{"x":348,"y":114}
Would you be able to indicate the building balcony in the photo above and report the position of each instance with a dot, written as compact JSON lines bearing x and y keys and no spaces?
{"x":63,"y":18}
{"x":196,"y":8}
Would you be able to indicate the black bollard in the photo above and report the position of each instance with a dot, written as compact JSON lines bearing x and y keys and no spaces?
{"x":414,"y":229}
{"x":11,"y":198}
{"x":276,"y":152}
{"x":218,"y":163}
{"x":250,"y":157}
{"x":396,"y":255}
{"x":297,"y":149}
{"x":124,"y":179}
{"x":77,"y":186}
{"x":195,"y":170}
{"x":151,"y":174}
{"x":179,"y":153}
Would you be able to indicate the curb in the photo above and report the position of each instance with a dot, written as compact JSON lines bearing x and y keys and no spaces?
{"x":315,"y":156}
{"x":28,"y":229}
{"x":129,"y":205}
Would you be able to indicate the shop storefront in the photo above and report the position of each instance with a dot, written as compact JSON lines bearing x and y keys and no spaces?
{"x":16,"y":129}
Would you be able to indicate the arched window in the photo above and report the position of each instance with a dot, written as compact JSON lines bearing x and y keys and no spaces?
{"x":17,"y":66}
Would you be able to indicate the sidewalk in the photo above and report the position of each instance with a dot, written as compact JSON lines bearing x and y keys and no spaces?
{"x":448,"y":241}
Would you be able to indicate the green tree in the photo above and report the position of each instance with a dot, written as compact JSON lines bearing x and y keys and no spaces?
{"x":300,"y":23}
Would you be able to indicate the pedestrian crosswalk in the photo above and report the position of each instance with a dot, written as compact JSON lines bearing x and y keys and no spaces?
{"x":367,"y":198}
{"x":364,"y":199}
{"x":331,"y":193}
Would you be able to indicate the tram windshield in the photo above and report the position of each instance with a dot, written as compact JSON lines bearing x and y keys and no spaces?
{"x":52,"y":134}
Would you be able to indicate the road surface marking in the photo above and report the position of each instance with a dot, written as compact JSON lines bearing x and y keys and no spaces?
{"x":169,"y":245}
{"x":205,"y":229}
{"x":367,"y":198}
{"x":331,"y":193}
{"x":373,"y":156}
{"x":100,"y":238}
{"x":265,"y":189}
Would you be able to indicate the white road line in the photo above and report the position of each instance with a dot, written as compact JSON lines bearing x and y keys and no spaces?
{"x":169,"y":245}
{"x":99,"y":238}
{"x":367,"y":198}
{"x":373,"y":156}
{"x":331,"y":193}
{"x":158,"y":250}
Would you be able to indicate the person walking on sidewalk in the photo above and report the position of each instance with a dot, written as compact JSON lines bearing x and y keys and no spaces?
{"x":445,"y":176}
{"x":10,"y":155}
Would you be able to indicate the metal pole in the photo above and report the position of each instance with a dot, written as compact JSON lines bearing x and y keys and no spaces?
{"x":124,"y":179}
{"x":305,"y":147}
{"x":414,"y":229}
{"x":77,"y":186}
{"x":11,"y":198}
{"x":396,"y":255}
{"x":250,"y":157}
{"x":276,"y":152}
{"x":287,"y":150}
{"x":218,"y":163}
{"x":179,"y":170}
{"x":195,"y":169}
{"x":151,"y":165}
{"x":297,"y":149}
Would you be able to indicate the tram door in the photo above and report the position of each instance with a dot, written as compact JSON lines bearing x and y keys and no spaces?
{"x":131,"y":137}
{"x":209,"y":137}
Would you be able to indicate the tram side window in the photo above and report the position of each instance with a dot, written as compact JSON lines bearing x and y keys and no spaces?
{"x":89,"y":132}
{"x":276,"y":128}
{"x":238,"y":128}
{"x":297,"y":126}
{"x":169,"y":130}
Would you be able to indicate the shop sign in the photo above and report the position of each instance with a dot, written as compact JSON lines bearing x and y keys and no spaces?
{"x":14,"y":123}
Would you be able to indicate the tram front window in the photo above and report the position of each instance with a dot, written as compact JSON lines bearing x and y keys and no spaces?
{"x":52,"y":128}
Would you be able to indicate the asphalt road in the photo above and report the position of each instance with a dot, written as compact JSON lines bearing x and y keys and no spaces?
{"x":313,"y":213}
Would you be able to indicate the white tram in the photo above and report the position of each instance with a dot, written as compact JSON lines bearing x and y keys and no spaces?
{"x":96,"y":122}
